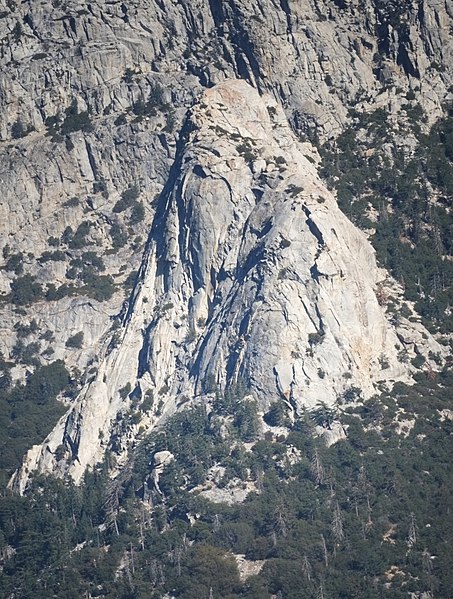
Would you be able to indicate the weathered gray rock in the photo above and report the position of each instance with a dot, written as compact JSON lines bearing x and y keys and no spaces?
{"x":317,"y":58}
{"x":244,"y":274}
{"x":251,"y":273}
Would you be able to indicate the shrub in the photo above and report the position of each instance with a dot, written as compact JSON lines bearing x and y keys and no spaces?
{"x":100,"y":186}
{"x":120,"y":120}
{"x":246,"y":151}
{"x":148,"y":402}
{"x":23,"y":330}
{"x":170,"y":122}
{"x":154,"y":102}
{"x":47,"y":336}
{"x":128,"y":75}
{"x":99,"y":287}
{"x":78,"y":240}
{"x":137,"y":214}
{"x":418,"y":361}
{"x":272,"y":111}
{"x":19,"y":130}
{"x":67,"y":235}
{"x":26,"y":354}
{"x":130,"y":280}
{"x":276,"y":415}
{"x":315,"y":338}
{"x":118,"y":235}
{"x":56,"y":256}
{"x":124,"y":391}
{"x":75,"y":121}
{"x":25,"y":290}
{"x":17,"y":31}
{"x":351,"y":395}
{"x":284,"y":243}
{"x":15,"y":263}
{"x":76,"y":341}
{"x":52,"y":124}
{"x":127,"y":200}
{"x":53,"y":294}
{"x":72,"y":202}
{"x":92,"y":259}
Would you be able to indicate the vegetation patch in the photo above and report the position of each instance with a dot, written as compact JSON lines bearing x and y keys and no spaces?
{"x":412,"y":230}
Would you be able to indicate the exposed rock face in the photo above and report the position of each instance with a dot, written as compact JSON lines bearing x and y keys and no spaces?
{"x":160,"y":460}
{"x":250,"y":271}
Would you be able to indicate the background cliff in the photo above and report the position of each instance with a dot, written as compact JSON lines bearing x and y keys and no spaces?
{"x":164,"y":241}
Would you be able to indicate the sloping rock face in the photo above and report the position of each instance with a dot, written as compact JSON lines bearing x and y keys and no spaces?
{"x":251,"y":273}
{"x":60,"y":60}
{"x":242,"y":276}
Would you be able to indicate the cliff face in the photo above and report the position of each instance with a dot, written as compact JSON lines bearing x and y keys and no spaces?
{"x":249,"y":271}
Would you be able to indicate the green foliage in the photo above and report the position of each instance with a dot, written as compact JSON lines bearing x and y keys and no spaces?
{"x":128,"y":75}
{"x":315,"y":338}
{"x":85,"y":267}
{"x":154,"y":103}
{"x":24,"y":330}
{"x":75,"y":341}
{"x":26,"y":354}
{"x":17,"y":31}
{"x":72,"y":202}
{"x":323,"y":415}
{"x":118,"y":235}
{"x":137,"y":213}
{"x":124,"y":391}
{"x":25,"y":290}
{"x":207,"y":571}
{"x":336,"y":521}
{"x":100,"y":186}
{"x":246,"y":420}
{"x":246,"y":150}
{"x":28,"y":412}
{"x":120,"y":120}
{"x":276,"y":416}
{"x":99,"y":287}
{"x":15,"y":263}
{"x":84,"y":270}
{"x":130,"y":279}
{"x":54,"y":294}
{"x":19,"y":130}
{"x":127,"y":200}
{"x":55,"y":256}
{"x":412,"y":234}
{"x":75,"y":121}
{"x":78,"y":239}
{"x":351,"y":395}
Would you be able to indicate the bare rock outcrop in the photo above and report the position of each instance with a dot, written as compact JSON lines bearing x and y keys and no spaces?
{"x":251,"y":273}
{"x":246,"y":269}
{"x":93,"y":94}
